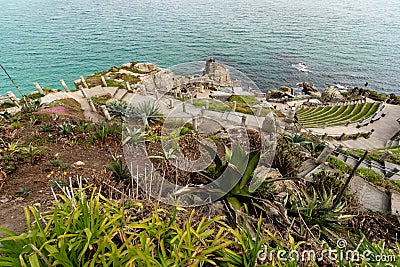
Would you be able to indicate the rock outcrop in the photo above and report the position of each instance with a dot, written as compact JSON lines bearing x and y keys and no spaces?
{"x":278,"y":94}
{"x":330,"y":94}
{"x":145,"y":67}
{"x":219,"y":74}
{"x":308,"y":89}
{"x":161,"y":81}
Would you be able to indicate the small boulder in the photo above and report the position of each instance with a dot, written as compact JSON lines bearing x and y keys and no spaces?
{"x":79,"y":164}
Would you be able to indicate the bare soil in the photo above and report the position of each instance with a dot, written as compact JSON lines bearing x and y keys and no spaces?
{"x":32,"y":180}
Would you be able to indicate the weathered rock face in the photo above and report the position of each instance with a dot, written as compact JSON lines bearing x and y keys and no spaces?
{"x":161,"y":81}
{"x":331,"y":94}
{"x":217,"y":72}
{"x":278,"y":94}
{"x":393,"y":99}
{"x":308,"y":89}
{"x":145,"y":67}
{"x":181,"y":80}
{"x":287,"y":89}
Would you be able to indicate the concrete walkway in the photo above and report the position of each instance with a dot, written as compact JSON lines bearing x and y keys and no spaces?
{"x":135,"y":99}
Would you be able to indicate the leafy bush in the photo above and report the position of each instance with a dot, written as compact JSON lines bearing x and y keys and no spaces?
{"x":56,"y":163}
{"x":30,"y":105}
{"x":84,"y":127}
{"x":103,"y":131}
{"x":65,"y":128}
{"x":32,"y":151}
{"x":15,"y":125}
{"x":87,"y":229}
{"x":101,"y":100}
{"x":288,"y":158}
{"x":7,"y":105}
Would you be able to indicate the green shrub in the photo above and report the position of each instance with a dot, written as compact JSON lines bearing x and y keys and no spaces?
{"x":119,"y":171}
{"x":15,"y":125}
{"x":7,"y":105}
{"x":47,"y":127}
{"x":56,"y":163}
{"x":84,"y":127}
{"x":87,"y":229}
{"x":101,"y":100}
{"x":117,"y":107}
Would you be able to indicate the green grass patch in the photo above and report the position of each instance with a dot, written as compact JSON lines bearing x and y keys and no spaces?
{"x":339,"y":164}
{"x":214,"y":105}
{"x":244,"y":99}
{"x":101,"y":100}
{"x":7,"y":105}
{"x":371,"y":176}
{"x":113,"y":83}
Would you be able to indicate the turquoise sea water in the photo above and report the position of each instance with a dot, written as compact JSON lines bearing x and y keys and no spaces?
{"x":348,"y":41}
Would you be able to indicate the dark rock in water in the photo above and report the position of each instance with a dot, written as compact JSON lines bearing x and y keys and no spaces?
{"x":278,"y":94}
{"x":307,"y":88}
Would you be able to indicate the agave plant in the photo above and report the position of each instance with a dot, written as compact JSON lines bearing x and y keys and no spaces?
{"x":135,"y":136}
{"x":119,"y":171}
{"x":317,"y":213}
{"x":117,"y":108}
{"x":151,"y":110}
{"x":240,"y":171}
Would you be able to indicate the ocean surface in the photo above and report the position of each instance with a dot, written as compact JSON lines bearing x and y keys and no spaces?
{"x":279,"y":42}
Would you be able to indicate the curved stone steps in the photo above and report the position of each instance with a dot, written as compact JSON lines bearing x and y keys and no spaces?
{"x":324,"y":115}
{"x":359,"y":112}
{"x":333,"y":116}
{"x":319,"y":112}
{"x":338,"y":119}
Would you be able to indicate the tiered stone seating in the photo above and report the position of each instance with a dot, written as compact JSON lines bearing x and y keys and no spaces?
{"x":336,"y":115}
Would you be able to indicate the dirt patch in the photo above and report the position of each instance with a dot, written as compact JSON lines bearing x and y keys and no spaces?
{"x":44,"y":157}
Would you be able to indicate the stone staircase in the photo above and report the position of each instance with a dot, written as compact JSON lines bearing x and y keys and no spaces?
{"x":392,"y":171}
{"x":391,"y":143}
{"x":394,"y":141}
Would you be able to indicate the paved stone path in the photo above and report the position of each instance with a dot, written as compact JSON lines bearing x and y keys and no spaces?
{"x":384,"y":169}
{"x":163,"y":103}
